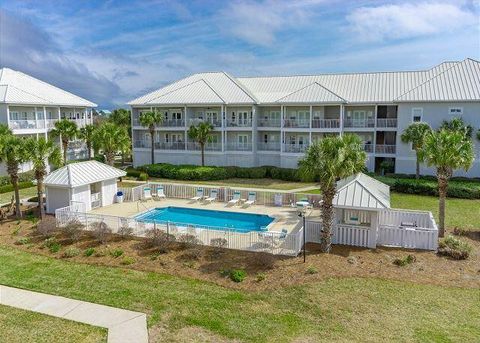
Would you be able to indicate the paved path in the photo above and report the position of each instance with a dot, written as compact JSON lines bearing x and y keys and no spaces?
{"x":123,"y":326}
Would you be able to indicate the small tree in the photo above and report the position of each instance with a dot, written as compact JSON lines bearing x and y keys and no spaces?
{"x":202,"y":135}
{"x":329,"y":160}
{"x":415,"y":134}
{"x":87,"y":133}
{"x":109,"y":138}
{"x":149,"y":120}
{"x":41,"y":152}
{"x":66,"y":130}
{"x":446,"y":150}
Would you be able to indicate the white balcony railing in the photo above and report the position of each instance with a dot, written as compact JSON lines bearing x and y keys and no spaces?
{"x":196,"y":121}
{"x":368,"y":147}
{"x":239,"y":123}
{"x":302,"y":123}
{"x":169,"y":145}
{"x":51,"y":123}
{"x":142,"y":144}
{"x":28,"y":124}
{"x":360,"y":123}
{"x":239,"y":147}
{"x":387,"y":122}
{"x":268,"y":146}
{"x":265,"y":122}
{"x":208,"y":146}
{"x":385,"y":149}
{"x":295,"y":148}
{"x":326,"y":123}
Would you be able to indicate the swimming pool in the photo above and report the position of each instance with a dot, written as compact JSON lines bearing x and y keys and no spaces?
{"x":220,"y":220}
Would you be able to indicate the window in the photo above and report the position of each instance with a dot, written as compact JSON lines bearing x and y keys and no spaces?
{"x":455,"y":111}
{"x":417,"y":114}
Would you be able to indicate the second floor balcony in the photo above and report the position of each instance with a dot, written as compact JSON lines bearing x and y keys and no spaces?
{"x":295,"y":148}
{"x":268,"y":122}
{"x":387,"y":122}
{"x":368,"y":147}
{"x":196,"y":121}
{"x":359,"y":123}
{"x":296,"y":122}
{"x":164,"y":123}
{"x":211,"y":146}
{"x":238,"y":147}
{"x":239,"y":123}
{"x":385,"y":149}
{"x":268,"y":146}
{"x":326,"y":123}
{"x":29,"y":124}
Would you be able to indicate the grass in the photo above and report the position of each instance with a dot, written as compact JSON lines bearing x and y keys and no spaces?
{"x":24,"y":193}
{"x":26,"y":326}
{"x":339,"y":309}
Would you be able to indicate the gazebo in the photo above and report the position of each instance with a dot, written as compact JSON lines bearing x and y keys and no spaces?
{"x":91,"y":182}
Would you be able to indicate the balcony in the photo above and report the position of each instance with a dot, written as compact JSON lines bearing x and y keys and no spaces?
{"x":359,"y":123}
{"x":142,"y":144}
{"x":196,"y":121}
{"x":301,"y":123}
{"x":239,"y":123}
{"x":368,"y":147}
{"x":385,"y":149}
{"x":173,"y":123}
{"x":26,"y":124}
{"x":262,"y":122}
{"x":239,"y":147}
{"x":326,"y":123}
{"x":51,"y":123}
{"x":295,"y":148}
{"x":268,"y":146}
{"x":169,"y":145}
{"x":387,"y":122}
{"x":208,"y":147}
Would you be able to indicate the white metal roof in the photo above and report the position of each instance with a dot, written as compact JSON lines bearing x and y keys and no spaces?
{"x":361,"y":191}
{"x":82,"y":173}
{"x":448,"y":81}
{"x":19,"y":88}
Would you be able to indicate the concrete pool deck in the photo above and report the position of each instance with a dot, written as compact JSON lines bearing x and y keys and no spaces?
{"x":285,"y":217}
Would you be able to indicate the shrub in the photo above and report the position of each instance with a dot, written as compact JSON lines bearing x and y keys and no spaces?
{"x":21,"y":185}
{"x":224,"y":272}
{"x":192,"y":254}
{"x":260,"y":277}
{"x":125,"y":232}
{"x":127,"y":260}
{"x":54,"y":247}
{"x":311,"y":270}
{"x":425,"y":186}
{"x":156,"y":238}
{"x":89,"y":252}
{"x":73,"y":230}
{"x":237,"y":275}
{"x":401,"y":262}
{"x":188,"y":241}
{"x":143,"y":177}
{"x":101,"y":252}
{"x":22,"y":178}
{"x":264,"y":260}
{"x":133,"y":173}
{"x":100,"y":231}
{"x":454,"y":248}
{"x":116,"y":253}
{"x":46,"y":227}
{"x":218,"y":244}
{"x":71,"y":252}
{"x":23,"y":241}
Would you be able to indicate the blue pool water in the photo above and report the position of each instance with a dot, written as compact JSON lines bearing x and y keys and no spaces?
{"x":241,"y":222}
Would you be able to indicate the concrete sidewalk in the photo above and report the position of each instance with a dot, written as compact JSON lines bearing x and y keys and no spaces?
{"x":123,"y":326}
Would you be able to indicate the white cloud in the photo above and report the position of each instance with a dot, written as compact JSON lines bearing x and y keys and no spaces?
{"x":408,"y":20}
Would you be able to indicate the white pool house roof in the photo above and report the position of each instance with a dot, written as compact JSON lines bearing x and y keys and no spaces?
{"x":82,"y":173}
{"x":362,"y":192}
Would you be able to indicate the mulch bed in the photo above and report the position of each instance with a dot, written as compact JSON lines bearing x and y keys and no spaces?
{"x":205,"y":263}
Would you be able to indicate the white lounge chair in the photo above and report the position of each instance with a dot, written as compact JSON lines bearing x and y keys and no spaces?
{"x":199,"y":195}
{"x":147,"y":193}
{"x":252,"y":196}
{"x":159,"y":193}
{"x":213,"y":196}
{"x":235,"y":199}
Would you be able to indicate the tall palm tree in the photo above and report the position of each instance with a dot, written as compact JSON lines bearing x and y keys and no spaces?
{"x":458,"y":124}
{"x":86,"y":133}
{"x":121,"y":117}
{"x":446,"y":150}
{"x":415,"y":134}
{"x":149,"y":120}
{"x":202,"y":135}
{"x":13,"y":154}
{"x":41,"y":152}
{"x":66,"y":130}
{"x":109,"y":137}
{"x":331,"y":159}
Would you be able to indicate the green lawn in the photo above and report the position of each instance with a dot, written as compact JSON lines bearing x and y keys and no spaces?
{"x":24,"y":193}
{"x":19,"y":326}
{"x":344,"y":309}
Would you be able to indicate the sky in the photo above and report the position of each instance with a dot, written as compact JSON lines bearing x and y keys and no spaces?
{"x":111,"y":52}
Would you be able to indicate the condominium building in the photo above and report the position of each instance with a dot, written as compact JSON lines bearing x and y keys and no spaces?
{"x":272,"y":120}
{"x":30,"y":108}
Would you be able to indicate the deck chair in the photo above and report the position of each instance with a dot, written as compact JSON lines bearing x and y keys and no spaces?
{"x":147,"y":193}
{"x":199,"y":195}
{"x":235,"y":199}
{"x":213,"y":196}
{"x":159,"y":194}
{"x":251,"y":199}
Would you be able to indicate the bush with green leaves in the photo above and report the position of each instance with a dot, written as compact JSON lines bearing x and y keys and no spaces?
{"x":159,"y":239}
{"x":311,"y":270}
{"x":23,"y":241}
{"x":46,"y":227}
{"x":116,"y":252}
{"x":143,"y":177}
{"x":73,"y":230}
{"x":100,"y":231}
{"x":71,"y":252}
{"x":402,"y":262}
{"x":127,"y":260}
{"x":237,"y":275}
{"x":89,"y":252}
{"x":22,"y":178}
{"x":21,"y":185}
{"x":52,"y":245}
{"x":260,"y":277}
{"x":454,"y":248}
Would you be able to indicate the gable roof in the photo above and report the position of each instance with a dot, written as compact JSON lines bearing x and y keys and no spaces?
{"x":361,"y":191}
{"x":313,"y":93}
{"x":460,"y":82}
{"x":82,"y":173}
{"x":19,"y":88}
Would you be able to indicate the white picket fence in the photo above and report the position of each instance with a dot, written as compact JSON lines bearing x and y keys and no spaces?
{"x":341,"y":234}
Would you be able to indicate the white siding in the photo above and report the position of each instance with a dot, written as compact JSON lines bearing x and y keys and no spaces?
{"x":57,"y":198}
{"x":82,"y":194}
{"x":109,"y":190}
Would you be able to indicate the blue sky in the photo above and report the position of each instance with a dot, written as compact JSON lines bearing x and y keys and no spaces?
{"x":110,"y":52}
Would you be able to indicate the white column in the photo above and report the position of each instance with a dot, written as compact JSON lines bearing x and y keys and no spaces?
{"x":36,"y":119}
{"x":185,"y":126}
{"x":254,"y":146}
{"x":59,"y":113}
{"x":311,"y":117}
{"x":375,"y":131}
{"x":45,"y":120}
{"x":224,"y":125}
{"x":342,"y":114}
{"x":8,"y":116}
{"x":282,"y":134}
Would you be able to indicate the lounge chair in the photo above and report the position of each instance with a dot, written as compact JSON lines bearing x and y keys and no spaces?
{"x":213,"y":196}
{"x":199,"y":195}
{"x":252,"y":196}
{"x":235,"y":199}
{"x":147,"y":193}
{"x":159,"y":194}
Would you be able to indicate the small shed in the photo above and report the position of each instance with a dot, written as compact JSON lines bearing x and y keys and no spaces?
{"x":91,"y":182}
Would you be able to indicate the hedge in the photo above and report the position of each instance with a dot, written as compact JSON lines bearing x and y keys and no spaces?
{"x":211,"y":173}
{"x":426,"y":187}
{"x":22,"y":177}
{"x":21,"y":185}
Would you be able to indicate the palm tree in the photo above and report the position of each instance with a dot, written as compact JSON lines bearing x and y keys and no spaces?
{"x":415,"y":134}
{"x":457,"y":124}
{"x":329,"y":160}
{"x":121,"y":117}
{"x":41,"y":152}
{"x":109,"y":138}
{"x":66,"y":130}
{"x":86,"y":133}
{"x":13,"y":154}
{"x":202,"y":135}
{"x":149,"y":120}
{"x":446,"y":150}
